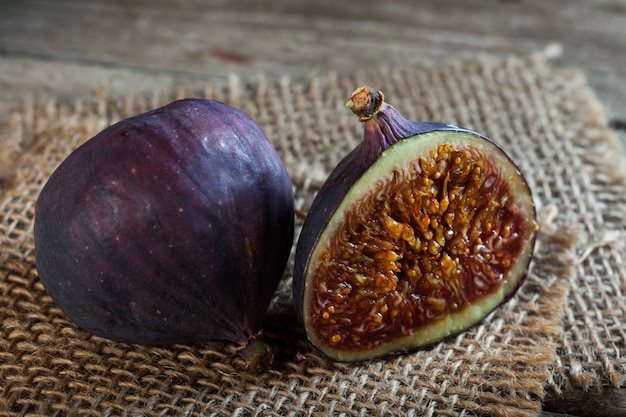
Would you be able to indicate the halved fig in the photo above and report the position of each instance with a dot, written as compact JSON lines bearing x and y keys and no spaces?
{"x":417,"y":235}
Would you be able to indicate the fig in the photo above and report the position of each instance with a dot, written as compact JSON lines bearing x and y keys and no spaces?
{"x":172,"y":226}
{"x":416,"y":235}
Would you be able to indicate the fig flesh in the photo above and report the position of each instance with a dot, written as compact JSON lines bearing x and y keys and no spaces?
{"x":173,"y":226}
{"x":418,"y":234}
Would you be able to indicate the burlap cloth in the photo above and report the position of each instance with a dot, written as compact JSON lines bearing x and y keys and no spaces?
{"x":563,"y":332}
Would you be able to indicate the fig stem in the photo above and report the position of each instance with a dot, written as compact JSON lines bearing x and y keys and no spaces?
{"x":365,"y":102}
{"x":258,"y":353}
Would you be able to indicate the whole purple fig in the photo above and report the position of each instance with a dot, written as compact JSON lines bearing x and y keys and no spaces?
{"x":173,"y":226}
{"x":419,"y":233}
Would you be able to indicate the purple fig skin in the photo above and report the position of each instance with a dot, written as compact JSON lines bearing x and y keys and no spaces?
{"x":388,"y":128}
{"x":173,"y":226}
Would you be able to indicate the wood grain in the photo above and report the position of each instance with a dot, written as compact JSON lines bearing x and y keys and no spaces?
{"x":68,"y":47}
{"x":610,"y":403}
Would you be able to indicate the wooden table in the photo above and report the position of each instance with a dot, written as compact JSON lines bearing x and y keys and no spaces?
{"x":68,"y":48}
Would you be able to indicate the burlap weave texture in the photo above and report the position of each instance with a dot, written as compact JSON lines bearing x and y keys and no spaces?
{"x":563,"y":331}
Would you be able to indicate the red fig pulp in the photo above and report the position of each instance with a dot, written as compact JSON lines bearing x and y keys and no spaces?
{"x":172,"y":226}
{"x":418,"y":234}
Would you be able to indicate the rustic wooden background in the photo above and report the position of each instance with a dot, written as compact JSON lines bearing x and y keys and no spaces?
{"x":70,"y":48}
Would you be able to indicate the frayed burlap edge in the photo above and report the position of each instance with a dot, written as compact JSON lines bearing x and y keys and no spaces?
{"x":590,"y":355}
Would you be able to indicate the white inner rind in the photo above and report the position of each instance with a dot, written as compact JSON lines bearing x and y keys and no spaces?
{"x":399,"y":156}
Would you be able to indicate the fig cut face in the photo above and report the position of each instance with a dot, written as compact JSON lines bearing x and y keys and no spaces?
{"x":435,"y":234}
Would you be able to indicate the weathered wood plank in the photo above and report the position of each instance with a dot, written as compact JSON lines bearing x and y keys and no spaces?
{"x":609,"y":403}
{"x":175,"y":39}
